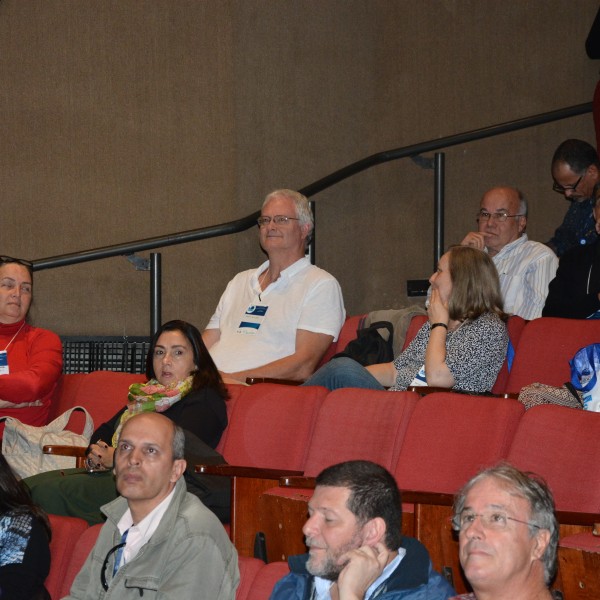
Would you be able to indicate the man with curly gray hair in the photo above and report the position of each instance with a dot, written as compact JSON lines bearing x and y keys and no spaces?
{"x":508,"y":535}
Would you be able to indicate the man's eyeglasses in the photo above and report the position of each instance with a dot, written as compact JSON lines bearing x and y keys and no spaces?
{"x":494,"y":520}
{"x":277,"y":219}
{"x":561,"y":189}
{"x":20,"y":261}
{"x":499,"y":216}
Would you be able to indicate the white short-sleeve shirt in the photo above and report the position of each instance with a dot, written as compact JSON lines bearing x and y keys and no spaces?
{"x":258,"y":327}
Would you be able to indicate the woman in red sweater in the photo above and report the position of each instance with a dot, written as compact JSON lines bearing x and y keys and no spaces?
{"x":30,"y":357}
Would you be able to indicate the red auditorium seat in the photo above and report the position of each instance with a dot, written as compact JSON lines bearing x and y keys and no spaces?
{"x":62,"y":551}
{"x":266,"y":579}
{"x":463,"y":434}
{"x":351,"y":424}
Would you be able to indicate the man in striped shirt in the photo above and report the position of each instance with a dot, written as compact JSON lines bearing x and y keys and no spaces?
{"x":525,"y":268}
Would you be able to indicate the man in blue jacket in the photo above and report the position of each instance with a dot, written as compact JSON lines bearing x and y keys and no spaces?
{"x":356,"y":551}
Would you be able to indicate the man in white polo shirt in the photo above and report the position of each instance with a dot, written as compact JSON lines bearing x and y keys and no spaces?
{"x":525,"y":268}
{"x":277,"y":321}
{"x":159,"y":541}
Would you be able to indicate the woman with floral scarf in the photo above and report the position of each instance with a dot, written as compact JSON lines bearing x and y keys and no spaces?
{"x":184,"y":384}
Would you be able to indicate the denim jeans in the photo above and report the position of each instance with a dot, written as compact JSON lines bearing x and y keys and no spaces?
{"x":343,"y":372}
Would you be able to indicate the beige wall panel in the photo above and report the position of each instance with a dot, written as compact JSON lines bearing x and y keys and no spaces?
{"x":121,"y":120}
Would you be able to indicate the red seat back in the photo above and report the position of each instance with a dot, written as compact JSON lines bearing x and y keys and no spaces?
{"x":545,"y":347}
{"x":249,"y":568}
{"x":234,"y":393}
{"x":271,"y":426}
{"x":561,"y":445}
{"x":265,"y":580}
{"x":359,"y":424}
{"x":102,"y":393}
{"x":347,"y":334}
{"x":65,"y":530}
{"x":450,"y":437}
{"x":64,"y":394}
{"x":515,"y":326}
{"x":413,"y":328}
{"x":81,"y":550}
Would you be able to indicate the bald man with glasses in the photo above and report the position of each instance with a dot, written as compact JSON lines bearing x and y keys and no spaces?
{"x":525,"y":267}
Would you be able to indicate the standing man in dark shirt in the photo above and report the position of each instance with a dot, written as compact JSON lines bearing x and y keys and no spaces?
{"x":575,"y":171}
{"x":575,"y":291}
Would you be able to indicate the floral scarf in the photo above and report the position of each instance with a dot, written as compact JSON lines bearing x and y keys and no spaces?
{"x":151,"y":396}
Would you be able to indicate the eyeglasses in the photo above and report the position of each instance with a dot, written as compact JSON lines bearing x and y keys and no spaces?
{"x":499,"y":216}
{"x":277,"y":219}
{"x":105,"y":564}
{"x":496,"y":520}
{"x":561,"y":189}
{"x":20,"y":261}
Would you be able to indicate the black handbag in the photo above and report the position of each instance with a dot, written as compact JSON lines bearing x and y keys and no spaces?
{"x":369,"y":347}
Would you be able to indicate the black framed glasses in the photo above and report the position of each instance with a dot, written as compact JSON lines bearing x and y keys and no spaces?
{"x":501,"y":217}
{"x":561,"y":189}
{"x":105,"y":564}
{"x":277,"y":219}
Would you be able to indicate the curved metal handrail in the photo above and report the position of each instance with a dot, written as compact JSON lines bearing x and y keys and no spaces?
{"x":246,"y":223}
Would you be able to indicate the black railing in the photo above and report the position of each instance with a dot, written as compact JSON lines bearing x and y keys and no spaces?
{"x":239,"y":225}
{"x":246,"y":223}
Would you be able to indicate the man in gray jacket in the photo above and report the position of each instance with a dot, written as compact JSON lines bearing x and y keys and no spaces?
{"x":159,"y":541}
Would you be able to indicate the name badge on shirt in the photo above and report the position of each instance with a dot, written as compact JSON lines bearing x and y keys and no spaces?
{"x":4,"y":363}
{"x":420,"y":378}
{"x":252,"y":320}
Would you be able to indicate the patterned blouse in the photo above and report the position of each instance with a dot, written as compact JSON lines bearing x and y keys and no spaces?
{"x":474,"y":354}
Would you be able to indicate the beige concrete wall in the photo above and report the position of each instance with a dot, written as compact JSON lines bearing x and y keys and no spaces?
{"x":128,"y":119}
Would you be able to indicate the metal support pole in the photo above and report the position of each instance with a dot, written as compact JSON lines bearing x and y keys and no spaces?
{"x":155,"y":292}
{"x":311,"y":245}
{"x":438,"y":212}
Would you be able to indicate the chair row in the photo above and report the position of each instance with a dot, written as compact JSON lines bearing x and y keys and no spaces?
{"x":543,"y":348}
{"x":431,"y":444}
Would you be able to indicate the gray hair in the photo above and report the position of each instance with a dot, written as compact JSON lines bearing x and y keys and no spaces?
{"x":303,"y":212}
{"x":535,"y":491}
{"x":522,"y":202}
{"x":178,"y":445}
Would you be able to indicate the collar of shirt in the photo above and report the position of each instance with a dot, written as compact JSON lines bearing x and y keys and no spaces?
{"x":322,"y":585}
{"x":511,"y":246}
{"x":140,"y":534}
{"x":284,"y":276}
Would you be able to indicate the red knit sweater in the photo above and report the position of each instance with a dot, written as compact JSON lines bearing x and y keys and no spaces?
{"x":35,"y":364}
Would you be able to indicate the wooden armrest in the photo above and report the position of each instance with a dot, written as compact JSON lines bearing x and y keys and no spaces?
{"x":236,"y":471}
{"x":253,"y":380}
{"x":56,"y":449}
{"x":423,"y":390}
{"x":307,"y":483}
{"x":432,"y":498}
{"x":565,"y":517}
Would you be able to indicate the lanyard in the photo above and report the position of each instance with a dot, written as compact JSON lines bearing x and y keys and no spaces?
{"x":13,"y":337}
